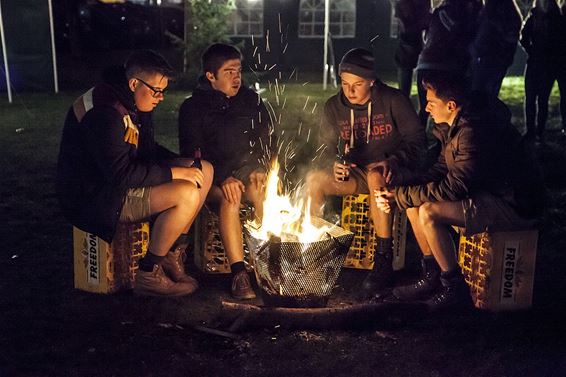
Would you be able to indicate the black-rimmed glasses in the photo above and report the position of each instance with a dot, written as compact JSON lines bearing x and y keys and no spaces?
{"x":155,"y":92}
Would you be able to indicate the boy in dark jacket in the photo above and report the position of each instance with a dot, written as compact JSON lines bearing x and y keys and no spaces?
{"x":484,"y":179}
{"x":230,"y":124}
{"x":380,"y":128}
{"x":111,"y":170}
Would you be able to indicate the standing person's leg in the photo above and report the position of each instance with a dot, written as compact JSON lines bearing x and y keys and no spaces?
{"x":423,"y":115}
{"x":545,"y":87}
{"x":429,"y":283}
{"x":436,"y":219}
{"x":405,"y":80}
{"x":495,"y":86}
{"x":562,"y":89}
{"x":530,"y":99}
{"x":382,"y":273}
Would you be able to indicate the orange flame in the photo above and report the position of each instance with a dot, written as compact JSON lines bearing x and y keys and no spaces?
{"x":285,"y":217}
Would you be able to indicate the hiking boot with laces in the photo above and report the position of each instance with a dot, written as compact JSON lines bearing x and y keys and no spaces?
{"x":173,"y":265}
{"x":425,"y":287}
{"x":156,"y":283}
{"x":242,"y":286}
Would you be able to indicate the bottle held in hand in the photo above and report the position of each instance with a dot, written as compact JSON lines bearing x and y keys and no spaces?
{"x":344,"y":157}
{"x":197,"y":161}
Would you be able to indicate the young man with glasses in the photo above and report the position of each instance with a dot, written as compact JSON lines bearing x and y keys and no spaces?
{"x":385,"y":139}
{"x":111,"y":171}
{"x":230,"y":124}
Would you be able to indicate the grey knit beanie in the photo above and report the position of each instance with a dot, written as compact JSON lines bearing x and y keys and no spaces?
{"x":359,"y":62}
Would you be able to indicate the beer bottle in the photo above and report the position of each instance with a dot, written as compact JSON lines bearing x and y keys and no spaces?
{"x":197,"y":162}
{"x":344,"y":156}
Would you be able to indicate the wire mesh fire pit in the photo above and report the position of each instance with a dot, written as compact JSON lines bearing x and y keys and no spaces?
{"x":299,"y":274}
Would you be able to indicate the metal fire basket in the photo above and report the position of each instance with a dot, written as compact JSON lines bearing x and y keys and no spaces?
{"x":299,"y":274}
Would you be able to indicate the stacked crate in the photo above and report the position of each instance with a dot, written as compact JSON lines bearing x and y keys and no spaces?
{"x":209,"y":254}
{"x":499,"y":267}
{"x":355,"y":218}
{"x":107,"y":268}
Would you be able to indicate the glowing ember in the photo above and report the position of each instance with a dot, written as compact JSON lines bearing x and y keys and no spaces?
{"x":285,"y":217}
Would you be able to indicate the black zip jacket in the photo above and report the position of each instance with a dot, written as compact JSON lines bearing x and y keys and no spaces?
{"x":101,"y":156}
{"x":232,"y":133}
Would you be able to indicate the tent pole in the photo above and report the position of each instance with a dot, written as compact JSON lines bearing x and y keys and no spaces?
{"x":4,"y":53}
{"x":326,"y":32}
{"x":53,"y":51}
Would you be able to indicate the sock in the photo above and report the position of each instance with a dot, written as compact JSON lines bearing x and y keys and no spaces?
{"x":452,"y":277}
{"x":383,"y":245}
{"x":183,"y":240}
{"x":429,"y":263}
{"x":237,"y":267}
{"x":149,"y":260}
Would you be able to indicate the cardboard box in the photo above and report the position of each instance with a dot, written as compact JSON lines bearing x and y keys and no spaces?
{"x":209,"y":255}
{"x":103,"y":268}
{"x":499,"y":267}
{"x":355,"y":218}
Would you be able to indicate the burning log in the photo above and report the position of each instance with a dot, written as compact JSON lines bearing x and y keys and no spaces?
{"x":245,"y":316}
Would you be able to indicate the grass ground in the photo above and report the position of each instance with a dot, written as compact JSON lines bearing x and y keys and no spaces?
{"x":49,"y":329}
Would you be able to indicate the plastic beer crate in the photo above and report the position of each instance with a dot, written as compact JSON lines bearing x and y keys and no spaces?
{"x":499,"y":267}
{"x":355,"y":218}
{"x":106,"y":268}
{"x":209,"y":254}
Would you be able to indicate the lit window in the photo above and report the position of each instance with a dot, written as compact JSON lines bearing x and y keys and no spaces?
{"x":342,"y":18}
{"x":247,"y":18}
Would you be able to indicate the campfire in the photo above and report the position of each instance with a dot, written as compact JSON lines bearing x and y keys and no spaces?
{"x":297,"y":258}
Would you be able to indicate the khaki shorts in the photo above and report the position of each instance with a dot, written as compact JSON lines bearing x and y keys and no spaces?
{"x":486,"y":212}
{"x":136,"y":206}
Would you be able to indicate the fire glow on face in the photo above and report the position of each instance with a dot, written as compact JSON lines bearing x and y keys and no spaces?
{"x":285,"y":216}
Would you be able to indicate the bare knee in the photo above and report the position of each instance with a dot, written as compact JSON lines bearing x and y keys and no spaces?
{"x":428,"y":214}
{"x":375,"y":179}
{"x":187,"y":194}
{"x":208,"y":171}
{"x":315,"y":180}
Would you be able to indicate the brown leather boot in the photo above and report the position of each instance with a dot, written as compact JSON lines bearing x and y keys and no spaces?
{"x":175,"y":268}
{"x":156,"y":283}
{"x":242,"y":286}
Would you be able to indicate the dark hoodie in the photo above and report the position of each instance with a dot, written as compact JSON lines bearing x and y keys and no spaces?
{"x":102,"y":155}
{"x":233,"y":133}
{"x":395,"y":132}
{"x":482,"y":151}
